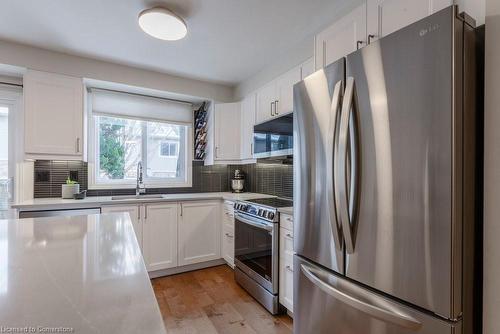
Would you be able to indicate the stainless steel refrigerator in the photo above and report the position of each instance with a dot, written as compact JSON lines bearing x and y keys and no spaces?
{"x":386,"y":186}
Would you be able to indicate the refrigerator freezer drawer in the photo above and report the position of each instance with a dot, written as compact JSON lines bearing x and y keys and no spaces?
{"x":327,"y":303}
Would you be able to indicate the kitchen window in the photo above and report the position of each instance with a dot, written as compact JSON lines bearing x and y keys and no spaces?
{"x":169,"y":149}
{"x":148,"y":132}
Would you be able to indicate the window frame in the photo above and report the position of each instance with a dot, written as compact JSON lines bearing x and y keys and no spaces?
{"x":149,"y":182}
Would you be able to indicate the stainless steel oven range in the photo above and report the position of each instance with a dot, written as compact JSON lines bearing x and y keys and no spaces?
{"x":256,"y":248}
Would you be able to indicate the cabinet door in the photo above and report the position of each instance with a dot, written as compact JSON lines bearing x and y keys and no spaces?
{"x":228,"y":244}
{"x":286,"y":267}
{"x":135,"y":215}
{"x":227,"y":131}
{"x":248,"y":109}
{"x":284,"y":87}
{"x":53,"y":114}
{"x":307,"y":68}
{"x":199,"y":232}
{"x":387,"y":16}
{"x":160,"y":236}
{"x":341,"y":38}
{"x":266,"y":97}
{"x":286,"y":284}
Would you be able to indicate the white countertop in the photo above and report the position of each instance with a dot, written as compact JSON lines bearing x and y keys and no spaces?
{"x":97,"y":201}
{"x":286,"y":210}
{"x":85,"y":273}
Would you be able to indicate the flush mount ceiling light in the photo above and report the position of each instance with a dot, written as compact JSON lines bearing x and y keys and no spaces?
{"x":162,"y":24}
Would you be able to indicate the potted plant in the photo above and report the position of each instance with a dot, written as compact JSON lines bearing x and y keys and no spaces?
{"x":70,"y":188}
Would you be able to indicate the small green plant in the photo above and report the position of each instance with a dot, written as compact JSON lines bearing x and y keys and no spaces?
{"x":69,"y":181}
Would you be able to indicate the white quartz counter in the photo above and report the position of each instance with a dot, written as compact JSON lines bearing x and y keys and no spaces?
{"x":97,"y":201}
{"x":80,"y":274}
{"x":286,"y":210}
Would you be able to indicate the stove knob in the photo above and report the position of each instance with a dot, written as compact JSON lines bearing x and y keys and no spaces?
{"x":259,"y":213}
{"x":270,"y":215}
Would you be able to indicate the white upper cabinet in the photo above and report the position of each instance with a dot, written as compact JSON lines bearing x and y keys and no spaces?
{"x":160,"y":236}
{"x":199,"y":232}
{"x":248,"y":109}
{"x":227,"y":131}
{"x":266,"y":102}
{"x":307,"y":68}
{"x":276,"y":98}
{"x":284,"y":86}
{"x":387,"y":16}
{"x":343,"y":37}
{"x":54,"y":115}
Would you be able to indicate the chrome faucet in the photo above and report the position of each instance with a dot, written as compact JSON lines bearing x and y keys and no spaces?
{"x":139,"y":188}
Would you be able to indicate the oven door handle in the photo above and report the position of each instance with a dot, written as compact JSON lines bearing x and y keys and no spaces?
{"x":262,"y":226}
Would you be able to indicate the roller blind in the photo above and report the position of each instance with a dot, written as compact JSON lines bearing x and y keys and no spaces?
{"x":106,"y":102}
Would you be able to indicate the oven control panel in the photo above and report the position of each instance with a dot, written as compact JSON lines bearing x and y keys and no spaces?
{"x":261,"y":211}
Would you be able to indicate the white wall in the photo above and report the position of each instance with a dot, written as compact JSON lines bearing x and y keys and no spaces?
{"x":56,"y":62}
{"x":287,"y":59}
{"x":284,"y":62}
{"x":492,"y":171}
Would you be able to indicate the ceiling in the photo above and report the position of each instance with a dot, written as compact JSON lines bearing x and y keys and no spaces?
{"x":227,"y":42}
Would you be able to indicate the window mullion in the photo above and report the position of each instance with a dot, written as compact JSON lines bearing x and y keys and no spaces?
{"x":144,"y":153}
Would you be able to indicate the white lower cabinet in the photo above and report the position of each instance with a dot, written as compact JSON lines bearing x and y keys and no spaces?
{"x":286,"y":263}
{"x":160,"y":236}
{"x":178,"y":234}
{"x":228,"y":233}
{"x":286,"y":284}
{"x":135,"y":215}
{"x":199,"y":232}
{"x":155,"y":227}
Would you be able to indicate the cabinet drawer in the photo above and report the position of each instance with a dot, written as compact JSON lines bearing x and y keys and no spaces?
{"x":286,"y":244}
{"x":286,"y":221}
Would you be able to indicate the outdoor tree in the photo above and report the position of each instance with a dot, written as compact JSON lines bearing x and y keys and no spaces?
{"x":112,"y":150}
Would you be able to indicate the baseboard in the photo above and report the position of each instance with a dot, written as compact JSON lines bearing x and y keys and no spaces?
{"x":183,"y":269}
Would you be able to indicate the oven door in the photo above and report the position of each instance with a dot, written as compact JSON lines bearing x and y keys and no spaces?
{"x":255,"y":250}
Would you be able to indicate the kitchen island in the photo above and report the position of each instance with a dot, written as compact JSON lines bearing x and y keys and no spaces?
{"x":82,"y":274}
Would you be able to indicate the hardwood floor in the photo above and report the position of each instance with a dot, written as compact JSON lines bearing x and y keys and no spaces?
{"x":210,"y":301}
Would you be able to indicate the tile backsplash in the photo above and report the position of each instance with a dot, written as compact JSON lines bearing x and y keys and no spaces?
{"x":266,"y":178}
{"x":273,"y":179}
{"x":49,"y":175}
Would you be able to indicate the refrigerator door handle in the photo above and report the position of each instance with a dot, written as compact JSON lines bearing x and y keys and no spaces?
{"x":336,"y":101}
{"x":365,"y":302}
{"x":346,"y":212}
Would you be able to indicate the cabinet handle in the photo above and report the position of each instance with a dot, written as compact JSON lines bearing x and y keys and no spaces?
{"x":289,"y":235}
{"x":359,"y":44}
{"x":138,"y":213}
{"x":276,"y":112}
{"x":78,"y":145}
{"x":272,"y":105}
{"x":289,"y":219}
{"x":251,"y":149}
{"x":229,"y":235}
{"x":289,"y":268}
{"x":181,"y":210}
{"x":216,"y":151}
{"x":145,"y":212}
{"x":370,"y":37}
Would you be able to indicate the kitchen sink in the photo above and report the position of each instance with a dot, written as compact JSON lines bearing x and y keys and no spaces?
{"x":125,"y":197}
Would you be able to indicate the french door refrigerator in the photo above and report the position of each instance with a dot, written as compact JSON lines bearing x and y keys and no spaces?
{"x":385,"y":168}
